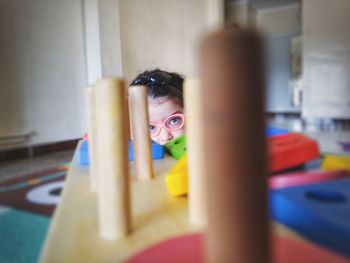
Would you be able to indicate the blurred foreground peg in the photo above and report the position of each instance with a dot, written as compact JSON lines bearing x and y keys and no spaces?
{"x":232,"y":78}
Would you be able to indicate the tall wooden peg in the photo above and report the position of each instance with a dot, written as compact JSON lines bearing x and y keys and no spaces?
{"x":138,"y":104}
{"x":92,"y":132}
{"x":232,"y":78}
{"x":113,"y":169}
{"x":194,"y":149}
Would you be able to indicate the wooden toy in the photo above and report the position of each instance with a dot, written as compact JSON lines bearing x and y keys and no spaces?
{"x":195,"y":150}
{"x":231,"y":71}
{"x":140,"y":130}
{"x":291,"y":150}
{"x":155,"y":216}
{"x":85,"y":157}
{"x":320,"y":212}
{"x":335,"y":162}
{"x":305,"y":177}
{"x":177,"y":179}
{"x":177,"y":146}
{"x":112,"y":156}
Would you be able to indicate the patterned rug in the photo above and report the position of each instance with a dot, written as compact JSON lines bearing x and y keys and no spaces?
{"x":26,"y":206}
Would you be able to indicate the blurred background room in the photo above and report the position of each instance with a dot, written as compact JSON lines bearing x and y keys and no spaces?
{"x":50,"y":51}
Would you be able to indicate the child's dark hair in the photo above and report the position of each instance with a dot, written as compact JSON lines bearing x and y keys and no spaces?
{"x":161,"y":84}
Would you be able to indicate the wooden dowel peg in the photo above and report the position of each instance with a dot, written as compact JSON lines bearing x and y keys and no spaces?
{"x":113,"y":169}
{"x":194,"y":149}
{"x":138,"y":103}
{"x":92,"y":132}
{"x":231,"y":70}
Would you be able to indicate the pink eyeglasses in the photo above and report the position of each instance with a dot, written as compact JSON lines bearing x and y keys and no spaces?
{"x":172,"y":123}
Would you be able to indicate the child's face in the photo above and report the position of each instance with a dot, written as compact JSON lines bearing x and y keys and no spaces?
{"x":166,"y":119}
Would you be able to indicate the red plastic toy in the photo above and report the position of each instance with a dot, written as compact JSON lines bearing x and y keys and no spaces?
{"x":291,"y":150}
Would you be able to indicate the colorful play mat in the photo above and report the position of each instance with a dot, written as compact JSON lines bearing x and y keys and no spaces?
{"x":26,"y":206}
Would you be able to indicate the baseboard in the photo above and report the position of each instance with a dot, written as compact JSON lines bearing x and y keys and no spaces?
{"x":36,"y":150}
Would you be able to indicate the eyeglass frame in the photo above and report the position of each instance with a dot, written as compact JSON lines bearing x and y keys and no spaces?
{"x":165,"y":127}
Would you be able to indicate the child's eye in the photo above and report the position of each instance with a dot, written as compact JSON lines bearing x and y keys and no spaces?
{"x":152,"y":128}
{"x":174,"y":120}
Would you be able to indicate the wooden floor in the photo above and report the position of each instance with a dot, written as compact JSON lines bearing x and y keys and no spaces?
{"x":18,"y":168}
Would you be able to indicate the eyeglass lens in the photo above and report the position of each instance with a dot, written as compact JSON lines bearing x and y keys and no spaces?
{"x":172,"y":123}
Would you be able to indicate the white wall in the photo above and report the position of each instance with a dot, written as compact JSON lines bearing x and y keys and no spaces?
{"x":11,"y":109}
{"x":110,"y":38}
{"x":164,"y":34}
{"x":42,"y":69}
{"x":50,"y":50}
{"x":238,"y":12}
{"x":326,"y":59}
{"x":279,"y":19}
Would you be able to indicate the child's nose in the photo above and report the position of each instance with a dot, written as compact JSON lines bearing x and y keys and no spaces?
{"x":165,"y":136}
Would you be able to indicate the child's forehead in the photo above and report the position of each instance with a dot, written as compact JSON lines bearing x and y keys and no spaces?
{"x":163,"y":101}
{"x":158,"y":100}
{"x":160,"y":108}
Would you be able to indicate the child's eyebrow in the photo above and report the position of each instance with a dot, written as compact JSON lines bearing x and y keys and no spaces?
{"x":178,"y":111}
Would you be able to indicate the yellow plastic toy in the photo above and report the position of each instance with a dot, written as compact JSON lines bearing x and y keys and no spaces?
{"x":177,"y":179}
{"x":335,"y":162}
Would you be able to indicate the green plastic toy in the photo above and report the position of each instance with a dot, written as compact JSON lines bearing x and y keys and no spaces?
{"x":177,"y":147}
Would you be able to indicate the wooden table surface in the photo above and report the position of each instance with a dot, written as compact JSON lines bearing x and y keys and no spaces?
{"x":73,"y":234}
